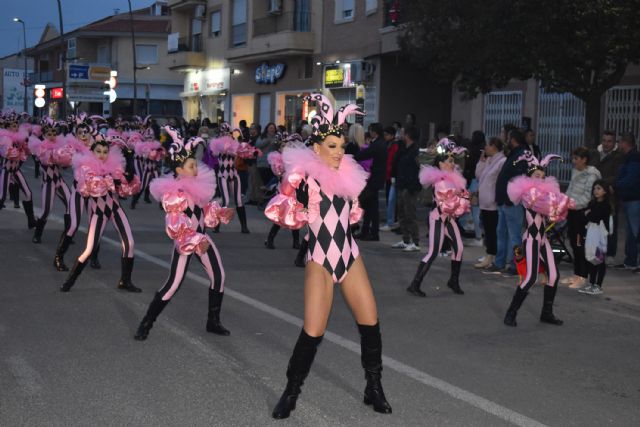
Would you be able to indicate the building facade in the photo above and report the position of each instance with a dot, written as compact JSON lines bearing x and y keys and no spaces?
{"x":12,"y":81}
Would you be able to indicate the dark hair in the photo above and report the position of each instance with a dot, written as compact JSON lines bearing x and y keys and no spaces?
{"x":518,"y":136}
{"x":628,"y":138}
{"x":242,"y":123}
{"x":397,"y":124}
{"x":390,"y":130}
{"x":376,"y":127}
{"x":102,"y":142}
{"x":412,"y":133}
{"x":440,"y":157}
{"x":609,"y":132}
{"x":413,"y":118}
{"x":496,"y":142}
{"x":478,"y":139}
{"x":264,"y":133}
{"x":605,"y":186}
{"x":582,"y":152}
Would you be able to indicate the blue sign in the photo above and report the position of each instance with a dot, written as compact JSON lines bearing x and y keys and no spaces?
{"x":268,"y":74}
{"x":79,"y":72}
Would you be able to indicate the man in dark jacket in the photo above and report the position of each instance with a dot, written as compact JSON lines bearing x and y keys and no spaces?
{"x":628,"y":190}
{"x":405,"y":171}
{"x":377,"y":151}
{"x":510,"y":217}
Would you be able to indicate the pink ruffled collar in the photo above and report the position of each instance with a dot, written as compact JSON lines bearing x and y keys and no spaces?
{"x":200,"y":188}
{"x":430,"y":175}
{"x":115,"y":162}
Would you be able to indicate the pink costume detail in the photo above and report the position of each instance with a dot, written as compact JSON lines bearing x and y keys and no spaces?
{"x":330,"y":207}
{"x":277,"y":164}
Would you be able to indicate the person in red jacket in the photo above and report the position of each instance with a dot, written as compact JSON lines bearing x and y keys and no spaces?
{"x":389,"y":136}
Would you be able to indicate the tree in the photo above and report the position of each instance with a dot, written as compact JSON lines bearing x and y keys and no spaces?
{"x":577,"y":46}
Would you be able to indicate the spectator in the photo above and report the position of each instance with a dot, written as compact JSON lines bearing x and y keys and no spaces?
{"x":267,"y":143}
{"x":392,"y":148}
{"x":357,"y":139}
{"x":407,"y":184}
{"x":628,"y":190}
{"x":475,"y":147}
{"x":487,"y":170}
{"x":377,"y":151}
{"x":530,"y":138}
{"x":244,"y":130}
{"x":580,"y":187}
{"x":510,"y":217}
{"x":255,"y":182}
{"x":608,"y":159}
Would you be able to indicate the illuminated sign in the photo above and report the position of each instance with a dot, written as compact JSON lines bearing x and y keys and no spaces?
{"x":333,"y":76}
{"x":56,"y":93}
{"x":269,"y":74}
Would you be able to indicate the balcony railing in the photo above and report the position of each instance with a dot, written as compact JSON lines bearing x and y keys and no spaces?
{"x":189,"y":44}
{"x":290,"y":21}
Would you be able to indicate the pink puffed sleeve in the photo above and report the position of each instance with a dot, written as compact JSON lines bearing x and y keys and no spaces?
{"x":128,"y":189}
{"x":214,"y":214}
{"x":180,"y":227}
{"x":92,"y":185}
{"x":62,"y":156}
{"x":284,"y":209}
{"x":553,"y":205}
{"x":356,"y":212}
{"x":451,"y":201}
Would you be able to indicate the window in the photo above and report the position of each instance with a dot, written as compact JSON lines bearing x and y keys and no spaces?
{"x":216,"y":21}
{"x":71,"y":49}
{"x":370,"y":6}
{"x":147,"y":54}
{"x":302,"y":16}
{"x":103,"y":54}
{"x":239,"y":23}
{"x":345,"y":10}
{"x":196,"y":35}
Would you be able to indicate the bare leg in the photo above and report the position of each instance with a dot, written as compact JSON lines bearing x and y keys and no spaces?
{"x":358,"y":294}
{"x":318,"y":298}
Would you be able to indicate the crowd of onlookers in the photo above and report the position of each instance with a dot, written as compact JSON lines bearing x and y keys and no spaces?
{"x":393,"y":156}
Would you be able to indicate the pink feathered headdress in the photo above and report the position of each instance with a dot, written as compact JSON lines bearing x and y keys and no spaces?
{"x":533,"y":162}
{"x":446,"y":145}
{"x":325,"y":123}
{"x":224,"y":144}
{"x":179,"y":150}
{"x":430,"y":175}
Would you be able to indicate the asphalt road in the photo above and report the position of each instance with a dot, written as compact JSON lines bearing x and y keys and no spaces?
{"x":70,"y":359}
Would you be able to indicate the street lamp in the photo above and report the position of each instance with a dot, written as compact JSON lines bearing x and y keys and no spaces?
{"x":135,"y":62}
{"x":24,"y":53}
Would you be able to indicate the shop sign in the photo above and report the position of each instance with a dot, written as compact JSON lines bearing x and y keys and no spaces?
{"x":215,"y":80}
{"x":88,"y":73}
{"x":333,"y":76}
{"x":56,"y":93}
{"x":269,"y":74}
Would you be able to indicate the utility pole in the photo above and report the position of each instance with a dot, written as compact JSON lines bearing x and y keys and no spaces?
{"x":135,"y":62}
{"x":63,"y":55}
{"x":24,"y":53}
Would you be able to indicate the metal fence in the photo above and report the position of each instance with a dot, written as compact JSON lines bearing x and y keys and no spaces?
{"x":501,"y":108}
{"x":622,"y":109}
{"x":560,"y":129}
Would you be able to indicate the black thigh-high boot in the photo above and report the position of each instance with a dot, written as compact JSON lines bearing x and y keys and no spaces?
{"x":273,"y":232}
{"x":547,"y":315}
{"x":154,"y":310}
{"x":37,"y":234}
{"x":94,"y":262}
{"x":453,"y":282}
{"x":414,"y":287}
{"x":371,"y":357}
{"x":516,"y":302}
{"x":63,"y":245}
{"x":300,"y":260}
{"x":67,"y":222}
{"x":242,"y":216}
{"x":125,"y":283}
{"x":14,"y":191}
{"x":299,"y":366}
{"x":295,"y":234}
{"x":213,"y":316}
{"x":36,"y":166}
{"x":28,"y":210}
{"x":146,"y":194}
{"x":73,"y":276}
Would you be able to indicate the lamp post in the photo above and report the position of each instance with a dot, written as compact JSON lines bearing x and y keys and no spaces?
{"x":24,"y":53}
{"x":135,"y":62}
{"x":63,"y":54}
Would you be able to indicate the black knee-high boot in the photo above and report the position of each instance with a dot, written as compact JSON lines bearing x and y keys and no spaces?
{"x":37,"y":234}
{"x":300,"y":260}
{"x":14,"y":191}
{"x":273,"y":232}
{"x":213,"y":317}
{"x":27,"y":205}
{"x":453,"y":282}
{"x":146,"y":194}
{"x":63,"y":245}
{"x":547,"y":315}
{"x":134,"y":200}
{"x":242,"y":216}
{"x":299,"y":365}
{"x":295,"y":234}
{"x":154,"y":310}
{"x":67,"y":222}
{"x":371,"y":357}
{"x":94,"y":262}
{"x":512,"y":311}
{"x":125,"y":283}
{"x":414,"y":287}
{"x":73,"y":276}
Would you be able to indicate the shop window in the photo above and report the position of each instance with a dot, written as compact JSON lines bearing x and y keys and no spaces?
{"x":345,"y":10}
{"x":216,"y":23}
{"x":147,"y":54}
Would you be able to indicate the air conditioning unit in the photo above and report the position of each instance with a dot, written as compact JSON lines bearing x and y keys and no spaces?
{"x":275,"y":7}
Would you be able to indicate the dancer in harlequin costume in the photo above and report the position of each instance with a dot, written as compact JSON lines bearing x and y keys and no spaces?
{"x":150,"y":152}
{"x":14,"y":151}
{"x":54,"y":152}
{"x":452,"y":201}
{"x":101,"y":178}
{"x":227,"y":149}
{"x":84,"y":133}
{"x":277,"y":167}
{"x":186,"y":198}
{"x":320,"y":188}
{"x":544,"y":204}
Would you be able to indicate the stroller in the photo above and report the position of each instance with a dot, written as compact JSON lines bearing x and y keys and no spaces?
{"x":556,"y":233}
